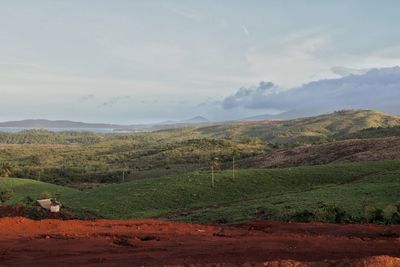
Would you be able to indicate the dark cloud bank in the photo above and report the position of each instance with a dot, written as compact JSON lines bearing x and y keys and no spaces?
{"x":374,"y":89}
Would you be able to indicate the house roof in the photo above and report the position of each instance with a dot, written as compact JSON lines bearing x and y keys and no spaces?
{"x":44,"y":203}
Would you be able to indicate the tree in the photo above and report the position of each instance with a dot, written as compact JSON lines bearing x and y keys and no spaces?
{"x":44,"y":195}
{"x":5,"y":196}
{"x":214,"y":163}
{"x":6,"y":169}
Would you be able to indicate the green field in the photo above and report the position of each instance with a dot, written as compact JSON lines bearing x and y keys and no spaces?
{"x":375,"y":190}
{"x":22,"y":188}
{"x":254,"y":194}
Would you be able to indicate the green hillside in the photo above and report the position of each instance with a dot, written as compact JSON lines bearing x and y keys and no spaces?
{"x":22,"y":188}
{"x":299,"y":194}
{"x":305,"y":130}
{"x":278,"y":191}
{"x":82,"y":159}
{"x":375,"y":132}
{"x":378,"y":192}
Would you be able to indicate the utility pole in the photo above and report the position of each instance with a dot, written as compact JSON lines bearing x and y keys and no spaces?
{"x":234,"y":154}
{"x":212,"y":176}
{"x":233,"y":168}
{"x":213,"y":165}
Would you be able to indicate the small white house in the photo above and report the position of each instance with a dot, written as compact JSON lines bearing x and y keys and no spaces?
{"x":48,"y":205}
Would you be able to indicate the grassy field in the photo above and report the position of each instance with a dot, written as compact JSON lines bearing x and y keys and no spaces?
{"x":286,"y":194}
{"x":22,"y":188}
{"x":375,"y":191}
{"x":277,"y":191}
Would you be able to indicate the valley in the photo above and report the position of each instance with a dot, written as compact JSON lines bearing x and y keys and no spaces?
{"x":320,"y":180}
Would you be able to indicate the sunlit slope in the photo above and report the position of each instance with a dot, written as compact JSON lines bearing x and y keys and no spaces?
{"x":22,"y":188}
{"x":376,"y":192}
{"x":276,"y":188}
{"x":311,"y":129}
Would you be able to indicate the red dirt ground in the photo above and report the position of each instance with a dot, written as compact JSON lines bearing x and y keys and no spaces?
{"x":24,"y":242}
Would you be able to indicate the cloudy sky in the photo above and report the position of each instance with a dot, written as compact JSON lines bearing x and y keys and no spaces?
{"x":127,"y":61}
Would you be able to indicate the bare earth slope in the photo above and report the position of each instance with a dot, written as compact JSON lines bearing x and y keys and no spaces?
{"x":24,"y":242}
{"x":335,"y":152}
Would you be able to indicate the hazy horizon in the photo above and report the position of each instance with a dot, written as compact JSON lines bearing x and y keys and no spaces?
{"x":131,"y":62}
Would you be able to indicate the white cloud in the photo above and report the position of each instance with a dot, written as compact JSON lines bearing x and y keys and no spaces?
{"x":343,"y":71}
{"x":292,"y":60}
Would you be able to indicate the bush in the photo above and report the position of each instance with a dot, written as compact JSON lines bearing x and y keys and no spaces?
{"x":44,"y":195}
{"x":28,"y":201}
{"x":373,"y":214}
{"x":57,"y":196}
{"x":391,"y":214}
{"x":331,"y":213}
{"x":302,"y":216}
{"x":6,"y":195}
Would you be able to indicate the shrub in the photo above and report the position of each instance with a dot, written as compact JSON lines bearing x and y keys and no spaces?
{"x":373,"y":214}
{"x":331,"y":213}
{"x":391,"y":214}
{"x":302,"y":216}
{"x":57,"y":196}
{"x":5,"y":195}
{"x":28,"y":201}
{"x":44,"y":195}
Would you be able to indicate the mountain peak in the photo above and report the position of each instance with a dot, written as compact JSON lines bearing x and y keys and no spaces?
{"x":197,"y":119}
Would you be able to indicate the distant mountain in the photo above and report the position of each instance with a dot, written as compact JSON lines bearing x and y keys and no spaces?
{"x":49,"y":124}
{"x":41,"y":123}
{"x":194,"y":120}
{"x":197,"y":119}
{"x":262,"y":117}
{"x":292,"y":114}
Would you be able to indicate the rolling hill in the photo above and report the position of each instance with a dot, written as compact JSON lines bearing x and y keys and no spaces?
{"x":76,"y":125}
{"x":304,"y":130}
{"x":190,"y":197}
{"x":74,"y":158}
{"x":331,"y":193}
{"x":41,"y":123}
{"x":26,"y":187}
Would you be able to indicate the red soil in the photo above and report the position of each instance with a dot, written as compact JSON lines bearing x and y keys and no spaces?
{"x":24,"y":242}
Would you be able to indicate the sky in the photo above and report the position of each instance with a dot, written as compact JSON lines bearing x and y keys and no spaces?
{"x":127,"y":61}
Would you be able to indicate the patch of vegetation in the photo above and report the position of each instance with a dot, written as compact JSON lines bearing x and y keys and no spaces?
{"x":25,"y":191}
{"x":80,"y":158}
{"x":332,"y":193}
{"x":5,"y":195}
{"x":371,"y":198}
{"x":318,"y":129}
{"x":375,"y":132}
{"x":341,"y":193}
{"x":117,"y":158}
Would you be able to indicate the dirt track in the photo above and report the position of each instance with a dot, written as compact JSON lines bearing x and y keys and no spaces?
{"x":24,"y":242}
